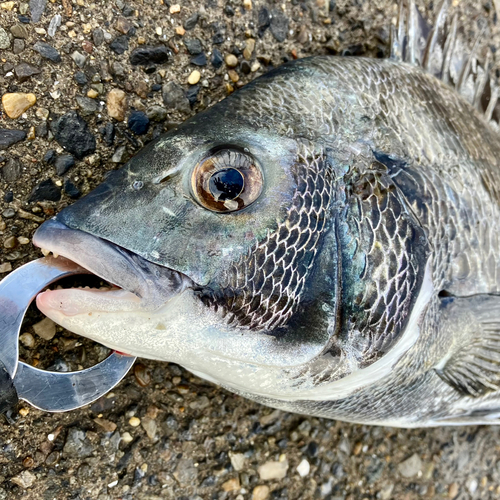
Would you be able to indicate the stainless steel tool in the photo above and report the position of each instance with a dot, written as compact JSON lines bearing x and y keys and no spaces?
{"x":50,"y":391}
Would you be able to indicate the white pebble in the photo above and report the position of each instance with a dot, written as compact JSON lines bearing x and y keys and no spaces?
{"x":303,"y":468}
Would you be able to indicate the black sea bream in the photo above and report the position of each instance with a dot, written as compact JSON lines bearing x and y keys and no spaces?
{"x":325,"y":240}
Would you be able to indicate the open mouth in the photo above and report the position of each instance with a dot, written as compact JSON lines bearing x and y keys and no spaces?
{"x":134,"y":283}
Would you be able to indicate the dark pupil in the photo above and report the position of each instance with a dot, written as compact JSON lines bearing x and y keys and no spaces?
{"x":226,"y":184}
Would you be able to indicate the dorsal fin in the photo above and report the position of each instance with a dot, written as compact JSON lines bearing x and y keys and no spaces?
{"x":442,"y":51}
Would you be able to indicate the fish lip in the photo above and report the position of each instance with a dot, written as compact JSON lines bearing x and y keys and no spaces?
{"x":152,"y":283}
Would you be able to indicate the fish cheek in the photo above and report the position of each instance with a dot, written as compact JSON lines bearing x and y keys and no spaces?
{"x":265,"y":289}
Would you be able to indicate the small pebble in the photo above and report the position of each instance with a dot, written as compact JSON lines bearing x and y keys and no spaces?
{"x":237,"y":461}
{"x":249,"y":48}
{"x":273,"y":470}
{"x":231,"y":484}
{"x":135,"y":422}
{"x":231,"y":61}
{"x":47,"y":51}
{"x":303,"y":468}
{"x":8,"y":137}
{"x":17,"y":103}
{"x":45,"y":329}
{"x":6,"y":267}
{"x":7,"y":5}
{"x":92,"y":93}
{"x":27,"y":340}
{"x":411,"y":466}
{"x":194,"y":77}
{"x":175,"y":9}
{"x":45,"y":191}
{"x":138,"y":122}
{"x":180,"y":31}
{"x":25,"y":479}
{"x":127,"y":438}
{"x":453,"y":490}
{"x":233,"y":75}
{"x":63,"y":163}
{"x":25,"y":71}
{"x":247,"y":4}
{"x":117,"y":104}
{"x":55,"y":22}
{"x":72,"y":132}
{"x":10,"y":242}
{"x":260,"y":492}
{"x":4,"y":39}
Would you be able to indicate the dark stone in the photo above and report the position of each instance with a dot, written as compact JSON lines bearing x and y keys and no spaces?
{"x":81,"y":78}
{"x":128,"y":10}
{"x":19,"y":45}
{"x":10,"y":136}
{"x":119,"y":45}
{"x":36,"y":8}
{"x":41,"y":130}
{"x":199,"y":60}
{"x":263,"y":21}
{"x":98,"y":37}
{"x":72,"y":133}
{"x":149,"y":69}
{"x":63,"y":163}
{"x":192,"y":94}
{"x":149,"y":55}
{"x":191,"y":21}
{"x":77,"y":445}
{"x":138,"y":122}
{"x":24,"y":19}
{"x":87,"y":105}
{"x":50,"y":156}
{"x":217,"y":59}
{"x":25,"y":71}
{"x":71,"y":190}
{"x":193,"y":46}
{"x":47,"y":51}
{"x":229,"y":11}
{"x":109,"y":134}
{"x":219,"y":30}
{"x":279,"y":25}
{"x":156,"y":87}
{"x":312,"y":449}
{"x":12,"y":170}
{"x":175,"y":98}
{"x":245,"y":67}
{"x":45,"y":191}
{"x":8,"y":66}
{"x":8,"y":196}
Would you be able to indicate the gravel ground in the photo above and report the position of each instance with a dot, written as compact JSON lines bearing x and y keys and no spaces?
{"x":133,"y":70}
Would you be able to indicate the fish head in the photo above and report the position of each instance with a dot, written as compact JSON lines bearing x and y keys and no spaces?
{"x":228,"y":244}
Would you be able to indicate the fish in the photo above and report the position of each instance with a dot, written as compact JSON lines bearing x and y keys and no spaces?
{"x":324,"y":240}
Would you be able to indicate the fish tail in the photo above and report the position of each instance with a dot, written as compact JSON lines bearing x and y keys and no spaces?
{"x":442,"y":51}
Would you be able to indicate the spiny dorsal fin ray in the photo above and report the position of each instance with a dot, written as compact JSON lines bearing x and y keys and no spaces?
{"x":442,"y":52}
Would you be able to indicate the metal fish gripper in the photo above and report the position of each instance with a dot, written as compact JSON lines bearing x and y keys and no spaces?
{"x":46,"y":390}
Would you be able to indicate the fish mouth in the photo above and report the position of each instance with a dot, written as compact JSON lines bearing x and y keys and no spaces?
{"x":135,"y":283}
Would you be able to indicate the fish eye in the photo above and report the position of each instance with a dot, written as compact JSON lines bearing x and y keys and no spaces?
{"x":227,"y":180}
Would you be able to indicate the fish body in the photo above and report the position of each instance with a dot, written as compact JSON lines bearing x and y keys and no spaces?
{"x":323,"y":241}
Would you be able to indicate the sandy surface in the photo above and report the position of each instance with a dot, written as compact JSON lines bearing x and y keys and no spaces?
{"x":191,"y":439}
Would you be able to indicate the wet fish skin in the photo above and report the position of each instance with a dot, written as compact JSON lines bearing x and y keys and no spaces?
{"x":382,"y":188}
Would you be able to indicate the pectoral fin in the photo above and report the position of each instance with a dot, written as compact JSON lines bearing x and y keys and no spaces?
{"x":472,"y":364}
